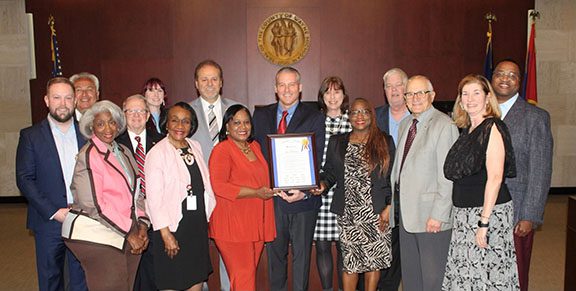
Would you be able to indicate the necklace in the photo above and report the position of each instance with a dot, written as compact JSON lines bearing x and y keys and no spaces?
{"x":187,"y":156}
{"x":245,"y":149}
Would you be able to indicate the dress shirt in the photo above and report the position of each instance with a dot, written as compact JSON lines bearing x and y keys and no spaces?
{"x":505,"y":107}
{"x":133,"y":136}
{"x":393,"y":125}
{"x":78,"y":114}
{"x":217,"y":110}
{"x":290,"y":110}
{"x":156,"y":117}
{"x":67,"y":146}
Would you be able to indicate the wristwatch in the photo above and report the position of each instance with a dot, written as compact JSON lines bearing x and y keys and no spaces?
{"x":480,"y":224}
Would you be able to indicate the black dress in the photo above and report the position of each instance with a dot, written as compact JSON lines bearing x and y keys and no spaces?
{"x":192,"y":263}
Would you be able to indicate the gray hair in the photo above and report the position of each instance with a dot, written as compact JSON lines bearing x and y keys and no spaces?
{"x":423,"y":78}
{"x":288,"y":70}
{"x":399,"y":71}
{"x":100,"y":107}
{"x":135,"y":96}
{"x":86,"y":75}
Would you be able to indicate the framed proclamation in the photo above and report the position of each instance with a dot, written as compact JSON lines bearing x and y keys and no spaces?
{"x":293,"y":161}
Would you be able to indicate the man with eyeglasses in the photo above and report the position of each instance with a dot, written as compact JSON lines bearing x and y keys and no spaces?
{"x":529,"y":127}
{"x":140,"y":140}
{"x":424,"y":195}
{"x":388,"y":118}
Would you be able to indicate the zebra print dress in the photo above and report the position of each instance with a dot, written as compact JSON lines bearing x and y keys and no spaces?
{"x":364,"y":247}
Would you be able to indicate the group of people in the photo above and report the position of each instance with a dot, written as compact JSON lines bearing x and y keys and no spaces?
{"x":130,"y":196}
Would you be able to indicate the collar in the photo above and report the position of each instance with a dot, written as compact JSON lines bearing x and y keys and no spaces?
{"x":205,"y":103}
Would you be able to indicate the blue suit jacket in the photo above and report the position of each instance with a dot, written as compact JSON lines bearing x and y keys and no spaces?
{"x":39,"y":175}
{"x":306,"y":118}
{"x":382,"y":118}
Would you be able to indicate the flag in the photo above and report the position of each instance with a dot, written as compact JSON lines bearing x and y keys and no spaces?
{"x":529,"y":84}
{"x":488,"y":60}
{"x":56,"y":65}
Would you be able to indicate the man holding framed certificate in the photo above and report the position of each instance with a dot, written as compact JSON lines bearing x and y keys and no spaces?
{"x":295,"y":210}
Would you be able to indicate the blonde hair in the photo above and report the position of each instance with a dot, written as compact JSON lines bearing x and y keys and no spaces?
{"x":460,"y":116}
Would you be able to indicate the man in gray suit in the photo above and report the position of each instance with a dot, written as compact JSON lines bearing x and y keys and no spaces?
{"x":529,"y":127}
{"x":209,"y":108}
{"x":425,"y":195}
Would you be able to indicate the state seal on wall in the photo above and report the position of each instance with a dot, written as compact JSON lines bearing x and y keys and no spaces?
{"x":283,"y":38}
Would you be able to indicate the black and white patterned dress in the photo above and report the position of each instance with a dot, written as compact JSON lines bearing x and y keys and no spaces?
{"x":470,"y":267}
{"x":326,"y":226}
{"x":364,"y":247}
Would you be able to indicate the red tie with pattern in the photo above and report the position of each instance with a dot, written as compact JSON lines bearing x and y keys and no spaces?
{"x":140,"y":158}
{"x":282,"y":124}
{"x":409,"y":140}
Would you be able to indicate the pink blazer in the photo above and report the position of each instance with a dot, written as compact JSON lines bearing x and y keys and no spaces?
{"x":101,"y":189}
{"x":166,"y":180}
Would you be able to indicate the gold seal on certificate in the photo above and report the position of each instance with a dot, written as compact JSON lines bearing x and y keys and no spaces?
{"x":292,"y":161}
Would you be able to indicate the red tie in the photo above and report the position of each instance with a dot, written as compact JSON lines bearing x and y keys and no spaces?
{"x":409,"y":140}
{"x":282,"y":124}
{"x":140,"y":158}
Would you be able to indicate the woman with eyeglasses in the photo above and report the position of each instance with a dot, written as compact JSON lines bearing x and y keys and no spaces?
{"x":359,"y":164}
{"x":481,"y":254}
{"x":180,"y":201}
{"x":155,"y":93}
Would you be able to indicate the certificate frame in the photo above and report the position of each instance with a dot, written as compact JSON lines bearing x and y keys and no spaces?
{"x":288,"y":152}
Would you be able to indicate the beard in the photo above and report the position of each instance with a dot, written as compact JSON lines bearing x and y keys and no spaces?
{"x":63,"y":117}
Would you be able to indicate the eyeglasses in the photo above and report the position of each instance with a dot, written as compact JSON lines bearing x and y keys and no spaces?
{"x":136,"y":111}
{"x":419,"y":94}
{"x":510,"y":75}
{"x":364,"y":112}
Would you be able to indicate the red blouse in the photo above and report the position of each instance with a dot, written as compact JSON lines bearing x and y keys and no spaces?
{"x":246,"y":219}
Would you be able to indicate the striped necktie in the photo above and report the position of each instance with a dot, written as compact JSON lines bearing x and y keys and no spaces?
{"x":140,"y":158}
{"x":212,"y":124}
{"x":409,"y":140}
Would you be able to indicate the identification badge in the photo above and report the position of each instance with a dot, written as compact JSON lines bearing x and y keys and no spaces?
{"x":191,"y":202}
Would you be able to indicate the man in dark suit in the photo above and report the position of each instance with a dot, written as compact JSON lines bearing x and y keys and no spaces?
{"x":388,"y":118}
{"x":45,"y":161}
{"x":137,"y":114}
{"x":529,"y":127}
{"x":295,"y":211}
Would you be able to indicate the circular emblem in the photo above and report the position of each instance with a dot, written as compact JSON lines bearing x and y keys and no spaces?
{"x":283,"y":38}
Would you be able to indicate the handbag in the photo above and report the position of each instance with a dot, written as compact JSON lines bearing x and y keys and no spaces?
{"x":79,"y":226}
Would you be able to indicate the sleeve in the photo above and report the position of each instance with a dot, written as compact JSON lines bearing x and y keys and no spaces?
{"x":155,"y":190}
{"x":328,"y":174}
{"x":319,"y":129}
{"x":443,"y":203}
{"x":221,"y":167}
{"x":539,"y":169}
{"x":26,"y":169}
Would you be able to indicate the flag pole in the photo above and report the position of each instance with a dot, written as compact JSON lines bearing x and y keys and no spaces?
{"x":489,"y":58}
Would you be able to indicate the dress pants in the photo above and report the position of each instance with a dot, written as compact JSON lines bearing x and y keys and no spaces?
{"x":51,"y":252}
{"x":390,"y":278}
{"x":523,"y":246}
{"x":297,"y":229}
{"x":241,"y":260}
{"x":106,"y":268}
{"x":424,"y":256}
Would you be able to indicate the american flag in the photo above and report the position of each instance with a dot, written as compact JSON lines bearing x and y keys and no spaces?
{"x":56,"y":65}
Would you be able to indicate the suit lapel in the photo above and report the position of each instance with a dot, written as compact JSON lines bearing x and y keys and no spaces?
{"x":296,"y":119}
{"x":50,"y":144}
